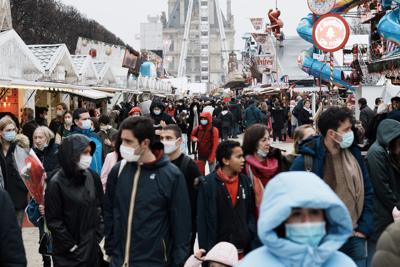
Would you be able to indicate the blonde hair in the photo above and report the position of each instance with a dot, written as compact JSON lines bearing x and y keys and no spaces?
{"x":5,"y":121}
{"x":22,"y":141}
{"x":45,"y":131}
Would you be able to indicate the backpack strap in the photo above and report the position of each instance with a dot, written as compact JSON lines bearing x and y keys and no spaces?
{"x":184,"y":164}
{"x":308,"y":163}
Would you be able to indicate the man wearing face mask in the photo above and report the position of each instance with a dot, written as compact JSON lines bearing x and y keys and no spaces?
{"x":206,"y":136}
{"x":83,"y":125}
{"x":147,"y":208}
{"x":335,"y":157}
{"x":160,"y":118}
{"x":171,"y":138}
{"x":56,"y":123}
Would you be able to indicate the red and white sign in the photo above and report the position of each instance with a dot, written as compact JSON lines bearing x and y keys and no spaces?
{"x":258,"y":23}
{"x":264,"y":61}
{"x":331,"y":32}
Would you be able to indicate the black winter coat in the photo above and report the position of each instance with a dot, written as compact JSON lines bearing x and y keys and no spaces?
{"x":303,"y":117}
{"x":278,"y":118}
{"x":49,"y":158}
{"x":74,"y":217}
{"x":12,"y":252}
{"x":384,"y":176}
{"x":208,"y":213}
{"x":161,"y":222}
{"x":12,"y":180}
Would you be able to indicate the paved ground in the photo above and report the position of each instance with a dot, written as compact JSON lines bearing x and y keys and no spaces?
{"x":31,"y":234}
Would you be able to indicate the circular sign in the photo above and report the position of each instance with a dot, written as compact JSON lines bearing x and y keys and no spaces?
{"x":321,"y":7}
{"x":331,"y":32}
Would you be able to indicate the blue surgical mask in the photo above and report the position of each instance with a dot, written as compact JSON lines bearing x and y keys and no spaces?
{"x":10,"y":136}
{"x":310,"y":234}
{"x":86,"y":124}
{"x":157,"y":112}
{"x":347,"y":140}
{"x":203,"y":122}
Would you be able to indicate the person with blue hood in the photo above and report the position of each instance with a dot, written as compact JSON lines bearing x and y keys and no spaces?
{"x":83,"y":125}
{"x":301,"y":228}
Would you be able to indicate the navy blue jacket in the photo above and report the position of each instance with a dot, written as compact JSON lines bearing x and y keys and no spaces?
{"x":207,"y":211}
{"x":316,"y":148}
{"x":162,"y":219}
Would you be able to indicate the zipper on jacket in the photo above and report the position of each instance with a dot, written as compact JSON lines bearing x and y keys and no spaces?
{"x":165,"y":251}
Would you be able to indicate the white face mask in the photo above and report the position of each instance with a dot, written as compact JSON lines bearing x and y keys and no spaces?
{"x":86,"y":124}
{"x":84,"y":162}
{"x":60,"y":113}
{"x":128,"y":154}
{"x":169,"y":146}
{"x":261,"y":153}
{"x":68,"y":121}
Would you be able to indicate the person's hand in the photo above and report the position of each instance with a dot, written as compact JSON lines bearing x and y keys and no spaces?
{"x":41,"y":210}
{"x":163,"y":124}
{"x":195,"y":139}
{"x":396,"y":214}
{"x":107,"y":142}
{"x":360,"y":235}
{"x":200,"y":254}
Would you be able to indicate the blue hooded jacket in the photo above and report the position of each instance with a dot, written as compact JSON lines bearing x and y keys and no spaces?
{"x":97,"y":159}
{"x":315,"y":148}
{"x":282,"y":194}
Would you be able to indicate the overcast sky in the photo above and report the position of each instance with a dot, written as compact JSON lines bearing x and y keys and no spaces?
{"x":123,"y":17}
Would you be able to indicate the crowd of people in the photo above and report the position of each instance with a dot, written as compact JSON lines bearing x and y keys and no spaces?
{"x":131,"y":187}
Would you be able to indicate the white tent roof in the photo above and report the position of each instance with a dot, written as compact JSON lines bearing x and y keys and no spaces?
{"x":53,"y":55}
{"x":104,"y":71}
{"x":16,"y":60}
{"x":85,"y":67}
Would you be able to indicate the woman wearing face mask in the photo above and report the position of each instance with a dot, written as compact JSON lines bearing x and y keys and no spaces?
{"x":262,"y":162}
{"x":74,"y":205}
{"x":301,"y":228}
{"x":13,"y":183}
{"x":46,"y":150}
{"x":65,"y":128}
{"x":160,"y":118}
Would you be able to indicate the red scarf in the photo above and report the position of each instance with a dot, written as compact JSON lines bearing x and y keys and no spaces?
{"x":231,"y":184}
{"x":262,"y":172}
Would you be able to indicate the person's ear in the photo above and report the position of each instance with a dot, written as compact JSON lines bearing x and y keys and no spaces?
{"x":145,"y":144}
{"x":76,"y":121}
{"x":226,"y":161}
{"x":180,"y":141}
